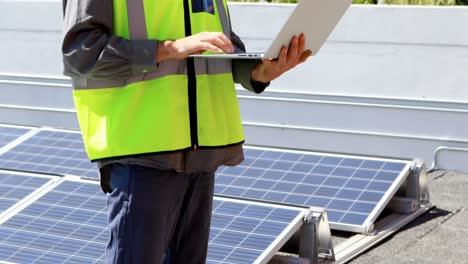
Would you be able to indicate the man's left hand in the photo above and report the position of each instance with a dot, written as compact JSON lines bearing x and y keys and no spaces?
{"x":289,"y":58}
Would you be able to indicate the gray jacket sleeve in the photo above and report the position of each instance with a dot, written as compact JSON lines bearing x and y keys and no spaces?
{"x":241,"y":69}
{"x":90,"y":50}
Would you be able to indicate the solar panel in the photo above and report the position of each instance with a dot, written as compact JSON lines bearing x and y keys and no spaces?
{"x":352,"y":189}
{"x":68,"y":225}
{"x":8,"y":134}
{"x":51,"y":152}
{"x":243,"y":232}
{"x":15,"y":187}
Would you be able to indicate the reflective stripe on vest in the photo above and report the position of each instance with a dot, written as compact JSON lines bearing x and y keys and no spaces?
{"x":150,"y":113}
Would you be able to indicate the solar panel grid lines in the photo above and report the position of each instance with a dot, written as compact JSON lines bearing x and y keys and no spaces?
{"x":224,"y":242}
{"x":68,"y":224}
{"x":51,"y":151}
{"x":348,"y":213}
{"x":240,"y":230}
{"x":9,"y":134}
{"x":16,"y":189}
{"x":353,"y":189}
{"x":355,"y":202}
{"x":391,"y":191}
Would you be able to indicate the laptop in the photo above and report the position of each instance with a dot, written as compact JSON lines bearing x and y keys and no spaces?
{"x":315,"y":18}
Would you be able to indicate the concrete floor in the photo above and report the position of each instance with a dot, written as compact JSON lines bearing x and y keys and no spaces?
{"x":438,"y":236}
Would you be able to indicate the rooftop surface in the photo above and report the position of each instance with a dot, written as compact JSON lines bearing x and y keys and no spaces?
{"x":438,"y":236}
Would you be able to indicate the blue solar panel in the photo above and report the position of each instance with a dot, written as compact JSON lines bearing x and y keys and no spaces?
{"x":241,"y":232}
{"x":52,"y":152}
{"x":15,"y":187}
{"x":9,"y":134}
{"x":68,"y":225}
{"x":350,"y":188}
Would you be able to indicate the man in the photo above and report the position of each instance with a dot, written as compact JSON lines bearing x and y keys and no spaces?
{"x":158,"y":122}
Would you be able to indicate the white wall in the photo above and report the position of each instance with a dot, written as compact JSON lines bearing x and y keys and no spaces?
{"x":30,"y":34}
{"x":384,"y":51}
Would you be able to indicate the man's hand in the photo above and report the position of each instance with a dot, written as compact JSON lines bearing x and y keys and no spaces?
{"x":288,"y":59}
{"x":216,"y":42}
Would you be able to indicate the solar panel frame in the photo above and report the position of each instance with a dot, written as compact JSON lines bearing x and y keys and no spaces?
{"x":44,"y":153}
{"x":367,"y":224}
{"x":32,"y":253}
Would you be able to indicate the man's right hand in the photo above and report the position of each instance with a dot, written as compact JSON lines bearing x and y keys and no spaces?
{"x":215,"y":42}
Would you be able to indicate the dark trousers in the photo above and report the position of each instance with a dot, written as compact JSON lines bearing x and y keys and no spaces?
{"x":157,"y":216}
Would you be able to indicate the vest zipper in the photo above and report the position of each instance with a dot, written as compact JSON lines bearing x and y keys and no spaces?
{"x":192,"y":82}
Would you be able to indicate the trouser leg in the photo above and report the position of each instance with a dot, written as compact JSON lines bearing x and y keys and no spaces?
{"x":189,"y":243}
{"x":144,"y":205}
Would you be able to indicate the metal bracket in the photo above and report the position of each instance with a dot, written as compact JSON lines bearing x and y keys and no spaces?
{"x":315,"y":240}
{"x":414,"y":192}
{"x":424,"y":193}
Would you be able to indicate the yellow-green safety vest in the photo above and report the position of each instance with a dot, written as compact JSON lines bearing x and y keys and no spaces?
{"x":183,"y":104}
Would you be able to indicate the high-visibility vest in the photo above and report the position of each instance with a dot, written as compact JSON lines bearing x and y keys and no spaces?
{"x":183,"y":104}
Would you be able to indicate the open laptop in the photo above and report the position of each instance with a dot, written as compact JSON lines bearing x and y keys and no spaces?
{"x":315,"y":18}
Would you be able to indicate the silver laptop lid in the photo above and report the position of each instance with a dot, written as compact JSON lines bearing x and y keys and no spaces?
{"x":315,"y":18}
